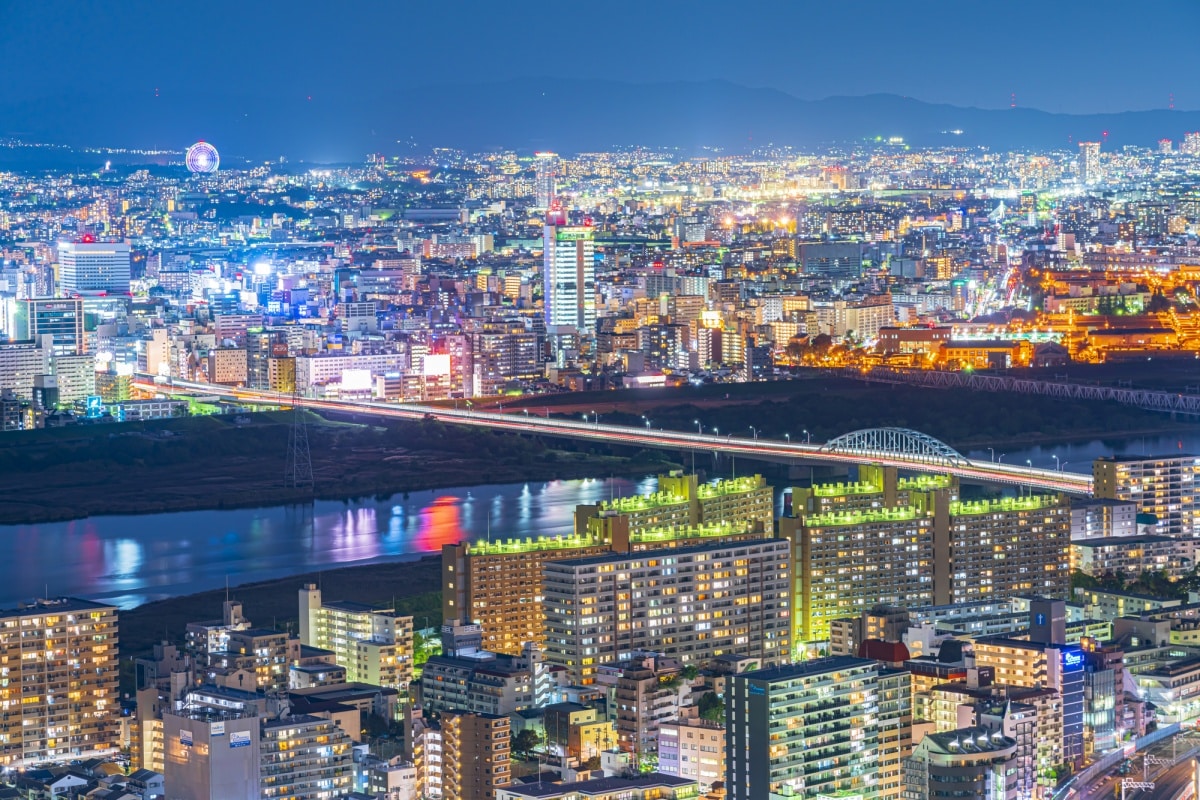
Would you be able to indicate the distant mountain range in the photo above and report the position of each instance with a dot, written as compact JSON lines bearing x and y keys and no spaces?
{"x":567,"y":116}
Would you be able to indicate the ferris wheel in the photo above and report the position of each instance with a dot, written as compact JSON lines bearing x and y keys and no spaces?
{"x":202,"y":158}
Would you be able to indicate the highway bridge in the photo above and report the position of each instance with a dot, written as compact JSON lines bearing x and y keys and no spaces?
{"x":895,"y":447}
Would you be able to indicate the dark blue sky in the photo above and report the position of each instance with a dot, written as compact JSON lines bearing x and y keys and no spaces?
{"x":1060,"y":56}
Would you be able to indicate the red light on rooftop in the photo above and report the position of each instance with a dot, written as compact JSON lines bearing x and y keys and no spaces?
{"x":88,"y":238}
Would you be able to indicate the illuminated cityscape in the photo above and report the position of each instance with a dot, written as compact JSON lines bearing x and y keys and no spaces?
{"x":505,"y":402}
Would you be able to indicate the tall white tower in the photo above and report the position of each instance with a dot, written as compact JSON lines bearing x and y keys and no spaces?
{"x":1089,"y":162}
{"x":569,"y":275}
{"x":546,"y":165}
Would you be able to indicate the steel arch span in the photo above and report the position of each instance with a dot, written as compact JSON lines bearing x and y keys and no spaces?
{"x":896,"y":442}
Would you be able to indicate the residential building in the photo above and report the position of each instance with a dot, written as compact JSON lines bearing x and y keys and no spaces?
{"x":808,"y":729}
{"x":1132,"y":555}
{"x":1164,"y":486}
{"x":304,"y":757}
{"x":692,"y":603}
{"x":968,"y":762}
{"x":1102,"y":517}
{"x":693,"y":749}
{"x":648,"y":786}
{"x":211,"y":754}
{"x":58,"y":696}
{"x":475,"y":756}
{"x":374,"y":645}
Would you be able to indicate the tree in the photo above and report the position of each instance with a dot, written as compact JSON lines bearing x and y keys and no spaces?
{"x":523,"y":743}
{"x":712,"y":707}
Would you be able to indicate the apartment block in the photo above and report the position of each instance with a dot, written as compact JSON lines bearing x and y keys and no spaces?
{"x":374,"y":645}
{"x":303,"y":756}
{"x":692,"y":603}
{"x":1164,"y":486}
{"x":58,"y":693}
{"x":692,"y":749}
{"x":475,"y":756}
{"x":805,"y":729}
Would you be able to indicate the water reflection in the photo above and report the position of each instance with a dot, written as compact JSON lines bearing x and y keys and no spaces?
{"x":131,"y":560}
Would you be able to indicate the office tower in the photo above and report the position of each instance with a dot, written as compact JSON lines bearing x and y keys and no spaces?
{"x":692,"y":603}
{"x":498,"y":584}
{"x":59,"y":693}
{"x":20,"y":364}
{"x":61,"y":319}
{"x":1191,"y":143}
{"x":89,"y":266}
{"x":569,"y":277}
{"x":75,"y":376}
{"x":211,"y":754}
{"x":374,"y":645}
{"x":302,"y":756}
{"x":806,"y":729}
{"x":475,"y":755}
{"x":1164,"y":486}
{"x":968,"y":762}
{"x":546,"y":167}
{"x":1089,"y":163}
{"x":831,"y":260}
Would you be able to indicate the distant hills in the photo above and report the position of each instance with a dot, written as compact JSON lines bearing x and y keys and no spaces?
{"x":559,"y":114}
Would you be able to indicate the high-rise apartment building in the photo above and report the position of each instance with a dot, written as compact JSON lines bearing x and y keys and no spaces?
{"x":1165,"y":486}
{"x":693,"y":749}
{"x":374,"y":645}
{"x":805,"y":729}
{"x":58,"y":696}
{"x":912,"y":542}
{"x":498,"y":584}
{"x":21,"y":363}
{"x":303,"y":756}
{"x":569,"y":277}
{"x":475,"y":755}
{"x":693,"y":603}
{"x":89,"y":266}
{"x":1089,"y":163}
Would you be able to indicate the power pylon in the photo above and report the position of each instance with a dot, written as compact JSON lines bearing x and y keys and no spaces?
{"x":298,"y":473}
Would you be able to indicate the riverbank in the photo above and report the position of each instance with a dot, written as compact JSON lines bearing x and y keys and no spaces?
{"x":227,"y":462}
{"x":411,"y":586}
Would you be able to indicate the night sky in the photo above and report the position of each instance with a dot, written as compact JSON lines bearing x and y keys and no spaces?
{"x":1058,"y":56}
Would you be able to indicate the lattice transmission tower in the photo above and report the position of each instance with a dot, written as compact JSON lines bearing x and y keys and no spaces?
{"x":298,"y":473}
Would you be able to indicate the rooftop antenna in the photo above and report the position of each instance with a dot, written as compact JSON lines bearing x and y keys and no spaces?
{"x":1012,"y":100}
{"x":1171,"y":101}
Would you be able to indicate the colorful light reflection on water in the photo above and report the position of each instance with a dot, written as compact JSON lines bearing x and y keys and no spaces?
{"x":134,"y":559}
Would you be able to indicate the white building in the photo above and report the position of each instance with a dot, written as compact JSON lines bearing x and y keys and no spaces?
{"x":570,"y":277}
{"x":91,"y":266}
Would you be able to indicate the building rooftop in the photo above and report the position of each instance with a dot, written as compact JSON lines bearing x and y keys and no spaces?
{"x":969,"y":740}
{"x":817,"y":666}
{"x":352,"y":607}
{"x":599,"y":786}
{"x":58,"y":605}
{"x":652,"y":554}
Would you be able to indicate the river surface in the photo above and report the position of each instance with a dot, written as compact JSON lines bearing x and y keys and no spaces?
{"x":129,"y":560}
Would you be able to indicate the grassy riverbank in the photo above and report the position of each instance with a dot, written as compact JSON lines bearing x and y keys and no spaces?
{"x":231,"y":462}
{"x":411,"y":587}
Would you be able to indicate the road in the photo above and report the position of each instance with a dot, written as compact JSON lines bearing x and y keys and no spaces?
{"x":752,"y":447}
{"x":1168,"y":781}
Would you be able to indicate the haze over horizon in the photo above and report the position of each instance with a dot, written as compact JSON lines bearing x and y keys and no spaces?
{"x":92,"y":71}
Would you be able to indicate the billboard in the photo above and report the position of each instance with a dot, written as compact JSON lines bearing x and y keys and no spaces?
{"x":436,"y":364}
{"x":239,"y":739}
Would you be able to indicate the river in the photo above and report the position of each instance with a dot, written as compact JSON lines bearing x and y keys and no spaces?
{"x":129,"y":560}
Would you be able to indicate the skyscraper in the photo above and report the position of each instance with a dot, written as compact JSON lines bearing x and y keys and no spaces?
{"x":1089,"y":162}
{"x":569,"y":275}
{"x":546,"y":165}
{"x":91,"y":266}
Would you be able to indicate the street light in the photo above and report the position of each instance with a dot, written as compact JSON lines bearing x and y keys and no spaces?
{"x":992,"y":450}
{"x":699,"y":427}
{"x":788,"y":436}
{"x":754,"y":432}
{"x":1001,"y":458}
{"x":1057,"y":463}
{"x":807,"y":438}
{"x":596,"y":417}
